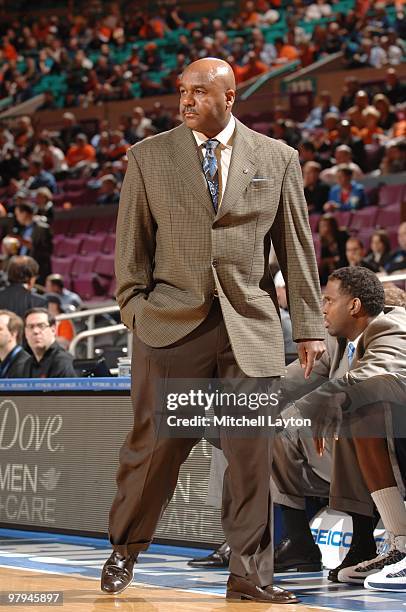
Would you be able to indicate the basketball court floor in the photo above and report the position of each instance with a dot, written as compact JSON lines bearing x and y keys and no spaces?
{"x":33,"y":562}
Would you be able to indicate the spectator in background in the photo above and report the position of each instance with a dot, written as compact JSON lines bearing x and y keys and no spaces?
{"x":316,"y":117}
{"x":351,"y":87}
{"x":332,"y":243}
{"x":393,"y":89}
{"x":371,"y":133}
{"x":286,"y":52}
{"x":397,"y":259}
{"x":53,"y":158}
{"x":394,"y":160}
{"x":49,"y":359}
{"x":253,"y":68}
{"x":347,"y":194}
{"x":394,"y":296}
{"x":69,"y":131}
{"x":45,"y":205}
{"x":19,"y":296}
{"x":354,"y":251}
{"x":315,"y":190}
{"x":356,"y":113}
{"x":379,"y":251}
{"x":35,"y":238}
{"x":65,"y":330}
{"x":40,"y":177}
{"x":13,"y":358}
{"x":343,"y":155}
{"x":348,"y":135}
{"x":69,"y":299}
{"x":108,"y":191}
{"x":387,"y":116}
{"x":81,"y":152}
{"x":318,"y":10}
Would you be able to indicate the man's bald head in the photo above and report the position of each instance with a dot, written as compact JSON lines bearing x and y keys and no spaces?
{"x":207,"y":94}
{"x":215,"y":70}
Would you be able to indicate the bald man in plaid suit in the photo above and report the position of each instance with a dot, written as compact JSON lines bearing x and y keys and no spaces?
{"x":200,"y":206}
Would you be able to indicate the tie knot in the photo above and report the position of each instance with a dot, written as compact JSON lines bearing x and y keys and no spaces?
{"x":211,"y":144}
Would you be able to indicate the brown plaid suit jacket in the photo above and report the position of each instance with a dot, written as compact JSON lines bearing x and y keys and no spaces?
{"x":173,"y":251}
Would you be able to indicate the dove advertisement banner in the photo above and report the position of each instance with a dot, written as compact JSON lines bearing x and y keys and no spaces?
{"x":58,"y":462}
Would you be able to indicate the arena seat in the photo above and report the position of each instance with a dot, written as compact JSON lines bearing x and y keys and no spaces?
{"x":61,"y":265}
{"x":92,"y":243}
{"x":109,"y":243}
{"x":82,"y":264}
{"x":392,"y":194}
{"x":365,"y":217}
{"x":388,"y":216}
{"x":67,"y":246}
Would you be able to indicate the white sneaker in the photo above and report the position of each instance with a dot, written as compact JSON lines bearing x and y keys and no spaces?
{"x":391,"y":554}
{"x":391,"y":577}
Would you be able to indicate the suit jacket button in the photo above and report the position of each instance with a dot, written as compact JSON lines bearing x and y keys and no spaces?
{"x":214,"y":263}
{"x":215,"y":293}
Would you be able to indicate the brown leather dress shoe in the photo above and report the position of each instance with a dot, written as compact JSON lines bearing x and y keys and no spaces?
{"x":117,"y":573}
{"x":243,"y":589}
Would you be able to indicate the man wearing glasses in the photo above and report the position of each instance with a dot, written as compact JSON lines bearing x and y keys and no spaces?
{"x":49,"y":360}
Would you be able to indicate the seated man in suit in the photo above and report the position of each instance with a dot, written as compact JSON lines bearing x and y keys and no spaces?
{"x":365,"y":340}
{"x":13,"y":358}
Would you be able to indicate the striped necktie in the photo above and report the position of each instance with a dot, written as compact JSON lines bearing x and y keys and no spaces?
{"x":210,"y":170}
{"x":350,"y":352}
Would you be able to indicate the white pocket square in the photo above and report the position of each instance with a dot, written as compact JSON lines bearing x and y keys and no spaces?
{"x":260,"y":179}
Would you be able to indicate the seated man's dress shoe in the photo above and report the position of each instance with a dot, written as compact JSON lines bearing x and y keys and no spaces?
{"x":300,"y":555}
{"x":242,"y":589}
{"x":117,"y":573}
{"x":218,"y":558}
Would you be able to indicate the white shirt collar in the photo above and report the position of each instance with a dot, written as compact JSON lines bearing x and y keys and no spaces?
{"x":223,"y":137}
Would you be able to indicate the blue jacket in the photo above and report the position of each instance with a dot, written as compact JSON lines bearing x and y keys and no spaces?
{"x":357,"y":197}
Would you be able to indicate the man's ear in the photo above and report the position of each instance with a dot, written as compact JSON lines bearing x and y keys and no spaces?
{"x":356,"y":306}
{"x":230,"y":97}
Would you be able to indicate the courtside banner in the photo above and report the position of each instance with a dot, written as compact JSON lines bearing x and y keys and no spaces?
{"x":59,"y":456}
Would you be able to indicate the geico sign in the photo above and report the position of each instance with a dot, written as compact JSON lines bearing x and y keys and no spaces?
{"x":29,"y":432}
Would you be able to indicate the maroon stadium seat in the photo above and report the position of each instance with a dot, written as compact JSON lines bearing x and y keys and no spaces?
{"x":92,"y":243}
{"x":391,"y":194}
{"x":85,"y":285}
{"x":61,"y":265}
{"x":82,"y":264}
{"x":364,"y":218}
{"x":109,"y":243}
{"x":388,"y":216}
{"x":343,"y":217}
{"x":67,"y":247}
{"x":105,"y":265}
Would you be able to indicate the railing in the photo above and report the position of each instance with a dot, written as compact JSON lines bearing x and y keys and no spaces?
{"x":100,"y":331}
{"x":91,"y":316}
{"x":394,"y":278}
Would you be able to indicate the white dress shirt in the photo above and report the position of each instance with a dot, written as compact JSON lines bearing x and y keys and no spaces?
{"x":223,"y":151}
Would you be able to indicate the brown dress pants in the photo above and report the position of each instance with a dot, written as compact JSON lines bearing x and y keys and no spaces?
{"x":149,"y":463}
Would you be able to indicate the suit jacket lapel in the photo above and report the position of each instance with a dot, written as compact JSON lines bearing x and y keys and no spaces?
{"x":186,"y":158}
{"x":242,"y":169}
